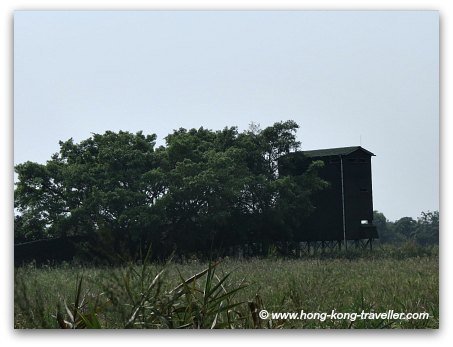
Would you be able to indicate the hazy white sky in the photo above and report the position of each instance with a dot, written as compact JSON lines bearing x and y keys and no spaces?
{"x":342,"y":76}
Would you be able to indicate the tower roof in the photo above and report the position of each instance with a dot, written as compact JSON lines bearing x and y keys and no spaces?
{"x":335,"y":151}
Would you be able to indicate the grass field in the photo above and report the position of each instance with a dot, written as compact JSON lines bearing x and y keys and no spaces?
{"x":133,"y":296}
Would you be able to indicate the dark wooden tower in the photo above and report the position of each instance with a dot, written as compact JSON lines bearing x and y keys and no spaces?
{"x":344,"y":210}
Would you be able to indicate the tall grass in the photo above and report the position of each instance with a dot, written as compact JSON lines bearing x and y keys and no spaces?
{"x":229,"y":294}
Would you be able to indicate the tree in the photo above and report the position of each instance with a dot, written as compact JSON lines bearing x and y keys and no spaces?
{"x":427,"y":230}
{"x":406,"y":226}
{"x":105,"y":182}
{"x":204,"y":191}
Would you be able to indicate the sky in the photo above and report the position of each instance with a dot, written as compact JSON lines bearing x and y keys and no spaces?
{"x":348,"y":78}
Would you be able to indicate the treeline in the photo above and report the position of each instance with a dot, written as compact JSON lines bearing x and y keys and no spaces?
{"x":204,"y":192}
{"x":423,"y":231}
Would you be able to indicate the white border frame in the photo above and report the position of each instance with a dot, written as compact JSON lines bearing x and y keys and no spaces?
{"x":339,"y":338}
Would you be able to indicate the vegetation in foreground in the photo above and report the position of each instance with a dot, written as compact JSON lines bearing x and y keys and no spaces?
{"x":231,"y":293}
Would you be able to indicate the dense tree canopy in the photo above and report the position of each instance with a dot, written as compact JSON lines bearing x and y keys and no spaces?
{"x":424,"y":230}
{"x":204,"y":191}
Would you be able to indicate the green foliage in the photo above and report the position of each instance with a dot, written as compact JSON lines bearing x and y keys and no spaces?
{"x":424,"y":231}
{"x":203,"y":193}
{"x":211,"y":295}
{"x":83,"y":313}
{"x":202,"y":301}
{"x":427,"y":231}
